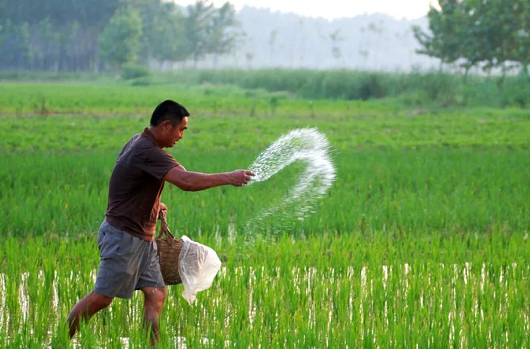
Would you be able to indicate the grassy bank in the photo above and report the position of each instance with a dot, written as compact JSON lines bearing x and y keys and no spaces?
{"x":413,"y":89}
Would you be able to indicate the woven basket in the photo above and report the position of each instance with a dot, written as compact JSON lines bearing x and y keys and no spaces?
{"x":168,"y":250}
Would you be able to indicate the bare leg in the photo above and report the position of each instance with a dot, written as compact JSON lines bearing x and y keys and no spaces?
{"x":153,"y":303}
{"x":85,"y":308}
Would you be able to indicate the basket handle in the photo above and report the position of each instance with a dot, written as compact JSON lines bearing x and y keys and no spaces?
{"x":164,"y":228}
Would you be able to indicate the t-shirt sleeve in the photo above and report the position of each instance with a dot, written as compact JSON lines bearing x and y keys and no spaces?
{"x":155,"y":162}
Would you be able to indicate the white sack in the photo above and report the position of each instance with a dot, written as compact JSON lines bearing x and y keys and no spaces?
{"x":198,"y":265}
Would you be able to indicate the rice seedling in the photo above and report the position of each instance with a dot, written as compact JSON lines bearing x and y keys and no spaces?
{"x":422,"y":240}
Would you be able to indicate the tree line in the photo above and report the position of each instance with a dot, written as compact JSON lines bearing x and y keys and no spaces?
{"x":80,"y":35}
{"x":484,"y":33}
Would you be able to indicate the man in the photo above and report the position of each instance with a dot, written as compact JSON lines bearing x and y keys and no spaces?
{"x":126,"y":237}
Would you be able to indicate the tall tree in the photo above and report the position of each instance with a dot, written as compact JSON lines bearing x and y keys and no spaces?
{"x":71,"y":31}
{"x":222,"y":36}
{"x":197,"y":27}
{"x":522,"y":37}
{"x":472,"y":32}
{"x":168,"y":42}
{"x":120,"y":41}
{"x":509,"y":35}
{"x":446,"y":29}
{"x":272,"y":41}
{"x":67,"y":34}
{"x":336,"y":39}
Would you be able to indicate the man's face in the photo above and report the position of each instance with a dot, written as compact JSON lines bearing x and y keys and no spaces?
{"x":174,"y":134}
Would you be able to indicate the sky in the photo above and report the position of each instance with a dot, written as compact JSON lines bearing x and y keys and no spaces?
{"x":332,"y":9}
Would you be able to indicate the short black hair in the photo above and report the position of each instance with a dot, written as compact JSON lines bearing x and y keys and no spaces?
{"x":169,"y":110}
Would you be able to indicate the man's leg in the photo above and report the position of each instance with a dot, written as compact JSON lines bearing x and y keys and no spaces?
{"x":153,"y":303}
{"x":85,"y":308}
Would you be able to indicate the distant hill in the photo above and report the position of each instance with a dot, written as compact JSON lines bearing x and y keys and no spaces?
{"x":367,"y":42}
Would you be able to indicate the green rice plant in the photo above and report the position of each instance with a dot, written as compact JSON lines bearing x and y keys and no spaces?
{"x":422,"y":241}
{"x":444,"y":300}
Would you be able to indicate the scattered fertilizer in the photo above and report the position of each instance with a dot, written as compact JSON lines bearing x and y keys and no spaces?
{"x":306,"y":145}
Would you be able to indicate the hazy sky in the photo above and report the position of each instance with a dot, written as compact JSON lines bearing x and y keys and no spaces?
{"x":331,"y":9}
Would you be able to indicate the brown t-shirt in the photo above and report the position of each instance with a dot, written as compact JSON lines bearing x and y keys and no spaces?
{"x":136,"y":185}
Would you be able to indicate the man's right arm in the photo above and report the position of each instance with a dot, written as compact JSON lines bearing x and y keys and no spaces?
{"x":195,"y":181}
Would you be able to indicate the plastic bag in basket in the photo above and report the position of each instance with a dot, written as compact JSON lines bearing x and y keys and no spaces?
{"x":198,"y":265}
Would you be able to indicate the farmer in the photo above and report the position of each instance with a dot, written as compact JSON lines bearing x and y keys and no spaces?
{"x":126,"y":237}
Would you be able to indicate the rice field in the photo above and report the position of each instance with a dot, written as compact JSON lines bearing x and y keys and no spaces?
{"x":422,"y":241}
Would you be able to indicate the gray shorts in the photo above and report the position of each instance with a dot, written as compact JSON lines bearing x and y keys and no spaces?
{"x":127,"y":263}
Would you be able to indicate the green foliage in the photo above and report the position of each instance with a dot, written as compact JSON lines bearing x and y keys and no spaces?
{"x":473,"y":32}
{"x":432,"y":86}
{"x":222,"y":38}
{"x":208,"y":30}
{"x":169,"y":41}
{"x":131,"y":71}
{"x":63,"y":35}
{"x":416,"y":89}
{"x":197,"y":28}
{"x":372,"y":87}
{"x":163,"y":31}
{"x":17,"y":41}
{"x":52,"y":35}
{"x":120,"y":40}
{"x":59,"y":12}
{"x":143,"y":81}
{"x":516,"y":92}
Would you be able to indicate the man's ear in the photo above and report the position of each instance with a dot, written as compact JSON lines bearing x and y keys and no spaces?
{"x":167,"y":124}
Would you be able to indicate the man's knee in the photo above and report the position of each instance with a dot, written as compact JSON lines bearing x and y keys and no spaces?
{"x":155,"y":297}
{"x":100,"y":301}
{"x":88,"y":306}
{"x":160,"y":296}
{"x":162,"y":293}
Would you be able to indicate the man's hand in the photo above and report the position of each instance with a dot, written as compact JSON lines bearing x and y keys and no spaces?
{"x":240,"y":177}
{"x":162,"y":209}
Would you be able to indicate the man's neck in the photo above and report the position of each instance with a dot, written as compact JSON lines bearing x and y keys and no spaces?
{"x":155,"y":135}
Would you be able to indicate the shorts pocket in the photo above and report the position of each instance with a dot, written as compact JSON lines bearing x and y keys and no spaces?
{"x":109,"y":243}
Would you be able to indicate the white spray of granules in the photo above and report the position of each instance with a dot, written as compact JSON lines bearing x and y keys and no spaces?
{"x":306,"y":145}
